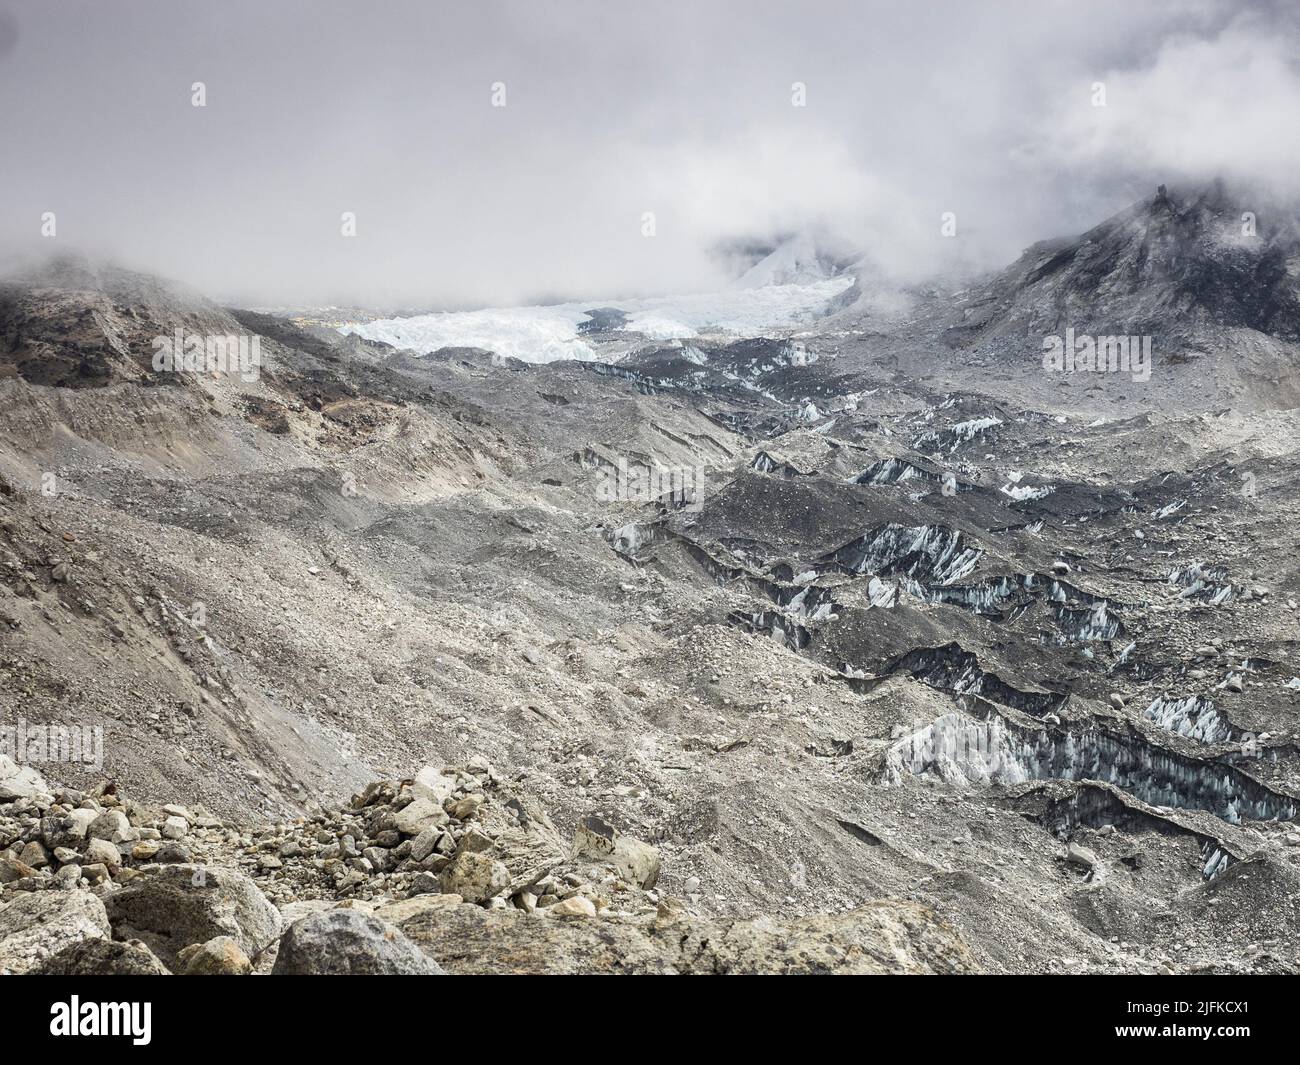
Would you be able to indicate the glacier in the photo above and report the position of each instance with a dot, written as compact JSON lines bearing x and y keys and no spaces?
{"x":548,"y":333}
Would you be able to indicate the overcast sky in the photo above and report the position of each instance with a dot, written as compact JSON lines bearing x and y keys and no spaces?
{"x":612,"y":109}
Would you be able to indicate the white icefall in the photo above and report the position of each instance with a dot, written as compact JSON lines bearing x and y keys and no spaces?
{"x":545,"y":334}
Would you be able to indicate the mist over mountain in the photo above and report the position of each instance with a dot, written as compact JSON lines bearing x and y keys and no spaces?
{"x":315,"y":109}
{"x":1200,"y":254}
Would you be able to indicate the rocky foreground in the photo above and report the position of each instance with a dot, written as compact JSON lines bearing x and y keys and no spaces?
{"x":452,"y":871}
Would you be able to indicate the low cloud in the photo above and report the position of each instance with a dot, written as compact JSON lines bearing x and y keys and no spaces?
{"x":1219,"y":106}
{"x":912,"y":113}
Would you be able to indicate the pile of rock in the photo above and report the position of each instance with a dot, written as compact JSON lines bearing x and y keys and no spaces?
{"x":146,"y":876}
{"x":93,"y":839}
{"x":451,"y":870}
{"x":455,"y":831}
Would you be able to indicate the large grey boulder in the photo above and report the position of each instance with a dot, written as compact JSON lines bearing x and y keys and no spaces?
{"x":171,"y":907}
{"x":348,"y":942}
{"x":111,"y":825}
{"x":433,"y":785}
{"x":37,"y":924}
{"x":102,"y":957}
{"x":66,"y":830}
{"x":636,"y":862}
{"x":419,"y":816}
{"x":475,"y":877}
{"x":19,"y":781}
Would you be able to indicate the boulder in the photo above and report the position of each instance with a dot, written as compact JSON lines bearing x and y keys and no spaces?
{"x":100,"y":850}
{"x":349,"y":943}
{"x":1081,"y":856}
{"x":636,"y":862}
{"x":175,"y":828}
{"x":111,"y":825}
{"x":102,"y":957}
{"x":397,"y":912}
{"x":418,"y":817}
{"x":220,"y":956}
{"x":430,"y":784}
{"x":424,"y":884}
{"x":34,"y":854}
{"x":171,"y":907}
{"x":95,"y":872}
{"x":38,"y":924}
{"x":19,"y":781}
{"x":12,"y":869}
{"x":173,"y":853}
{"x":296,"y":911}
{"x":423,"y":844}
{"x":66,"y":830}
{"x":573,"y":906}
{"x":476,"y":877}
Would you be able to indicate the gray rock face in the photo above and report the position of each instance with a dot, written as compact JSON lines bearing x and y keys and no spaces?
{"x":420,"y":816}
{"x":102,"y":957}
{"x":111,"y":825}
{"x":173,"y":906}
{"x":889,"y":936}
{"x":434,"y":786}
{"x":66,"y":830}
{"x":476,"y":877}
{"x":1174,"y":243}
{"x":19,"y":781}
{"x":38,"y":924}
{"x":636,"y":861}
{"x":349,"y":943}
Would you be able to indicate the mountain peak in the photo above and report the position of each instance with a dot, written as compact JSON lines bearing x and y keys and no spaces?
{"x":76,"y":321}
{"x":1175,"y":261}
{"x":795,"y":261}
